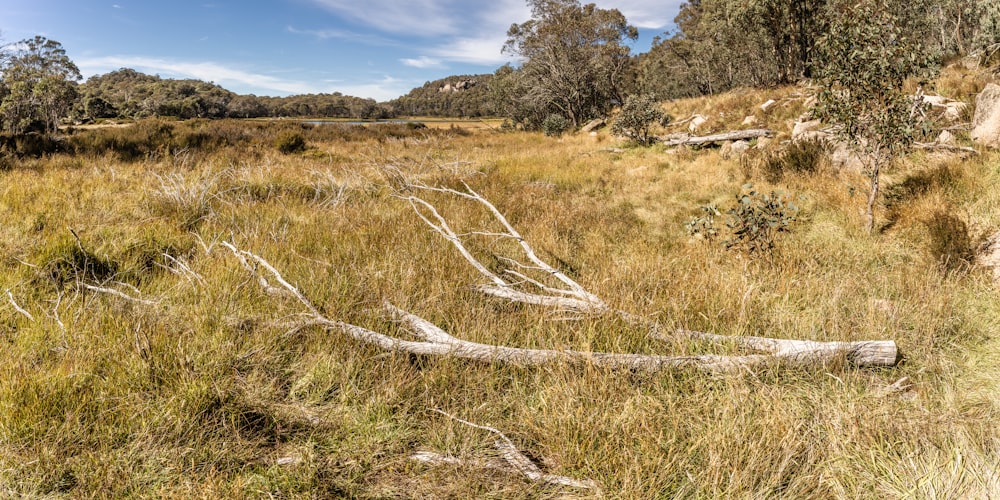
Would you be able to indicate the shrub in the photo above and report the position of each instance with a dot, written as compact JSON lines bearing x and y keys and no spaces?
{"x":637,"y":117}
{"x":758,"y":218}
{"x":555,"y":124}
{"x":704,"y":227}
{"x":290,"y":142}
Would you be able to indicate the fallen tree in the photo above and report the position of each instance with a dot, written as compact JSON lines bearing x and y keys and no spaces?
{"x":568,"y":298}
{"x":737,"y":135}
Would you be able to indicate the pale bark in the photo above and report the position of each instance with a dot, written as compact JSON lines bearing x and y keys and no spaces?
{"x":737,"y":135}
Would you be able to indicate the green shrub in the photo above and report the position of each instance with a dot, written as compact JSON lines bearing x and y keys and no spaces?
{"x":758,"y":218}
{"x":290,"y":142}
{"x":637,"y":117}
{"x":554,"y":125}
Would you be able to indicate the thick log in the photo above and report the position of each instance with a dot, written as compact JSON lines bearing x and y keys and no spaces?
{"x":737,"y":135}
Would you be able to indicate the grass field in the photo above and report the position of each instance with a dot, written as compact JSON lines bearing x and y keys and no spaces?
{"x":210,"y":387}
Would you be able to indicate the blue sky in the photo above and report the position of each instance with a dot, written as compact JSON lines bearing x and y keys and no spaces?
{"x":368,"y":48}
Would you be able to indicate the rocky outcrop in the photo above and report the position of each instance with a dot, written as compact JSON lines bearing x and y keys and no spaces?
{"x":986,"y":121}
{"x":950,"y":109}
{"x":458,"y":86}
{"x":696,"y":122}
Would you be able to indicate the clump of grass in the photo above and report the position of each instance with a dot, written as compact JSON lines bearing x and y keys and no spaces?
{"x":951,"y":245}
{"x":799,"y":157}
{"x":185,"y":198}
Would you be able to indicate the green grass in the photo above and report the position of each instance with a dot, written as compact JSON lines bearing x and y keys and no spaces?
{"x":201,"y":393}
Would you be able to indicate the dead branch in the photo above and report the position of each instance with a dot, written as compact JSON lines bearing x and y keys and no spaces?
{"x":737,"y":135}
{"x":437,"y":342}
{"x":569,"y":296}
{"x":18,"y":308}
{"x":513,"y":460}
{"x":573,"y":297}
{"x":937,"y":146}
{"x":116,"y":293}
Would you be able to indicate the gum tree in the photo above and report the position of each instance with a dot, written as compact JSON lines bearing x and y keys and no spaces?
{"x":40,"y":81}
{"x":864,"y":60}
{"x":574,"y":60}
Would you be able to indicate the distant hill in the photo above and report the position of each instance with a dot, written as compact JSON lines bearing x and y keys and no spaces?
{"x":129,"y":94}
{"x":454,"y":96}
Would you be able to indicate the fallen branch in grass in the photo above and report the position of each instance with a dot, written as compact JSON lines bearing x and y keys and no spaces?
{"x":512,"y":460}
{"x":570,"y":296}
{"x":116,"y":293}
{"x":937,"y":146}
{"x":737,"y":135}
{"x":18,"y":308}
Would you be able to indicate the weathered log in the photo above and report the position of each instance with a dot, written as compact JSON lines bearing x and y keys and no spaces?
{"x":938,"y":146}
{"x":736,"y":135}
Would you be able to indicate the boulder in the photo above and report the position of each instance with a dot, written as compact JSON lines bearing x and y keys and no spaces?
{"x":768,"y":105}
{"x":803,"y":130}
{"x":946,"y":137}
{"x":986,"y":121}
{"x":949,"y":108}
{"x":750,"y":121}
{"x":697,"y":121}
{"x":844,"y":157}
{"x":988,"y":256}
{"x":732,"y":149}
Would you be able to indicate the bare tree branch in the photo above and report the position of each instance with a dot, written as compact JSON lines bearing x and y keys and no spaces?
{"x":513,"y":460}
{"x":573,"y":297}
{"x":18,"y":308}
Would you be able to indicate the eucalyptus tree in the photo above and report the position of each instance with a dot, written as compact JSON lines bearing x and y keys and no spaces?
{"x":40,"y":81}
{"x":864,"y":59}
{"x":574,"y":62}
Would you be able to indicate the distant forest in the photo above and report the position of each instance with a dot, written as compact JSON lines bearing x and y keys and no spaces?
{"x":129,"y":94}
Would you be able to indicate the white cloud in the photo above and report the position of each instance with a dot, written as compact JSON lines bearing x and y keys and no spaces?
{"x":422,"y":62}
{"x":484,"y":50}
{"x":411,"y":17}
{"x":339,"y":34}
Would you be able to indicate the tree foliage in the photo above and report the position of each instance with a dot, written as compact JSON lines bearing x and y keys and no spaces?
{"x":864,"y":59}
{"x":39,"y":82}
{"x":637,"y":117}
{"x":574,"y":63}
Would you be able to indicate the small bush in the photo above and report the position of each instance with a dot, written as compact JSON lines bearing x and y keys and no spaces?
{"x":290,"y":142}
{"x":758,"y":218}
{"x":637,"y":117}
{"x":704,"y":227}
{"x":950,"y":245}
{"x":554,"y":125}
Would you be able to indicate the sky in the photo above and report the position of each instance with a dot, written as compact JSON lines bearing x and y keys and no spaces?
{"x":377,"y":49}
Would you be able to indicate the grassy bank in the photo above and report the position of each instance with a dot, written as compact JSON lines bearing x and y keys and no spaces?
{"x":213,"y":388}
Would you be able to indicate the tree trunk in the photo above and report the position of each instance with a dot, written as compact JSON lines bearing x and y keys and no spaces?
{"x":872,"y":198}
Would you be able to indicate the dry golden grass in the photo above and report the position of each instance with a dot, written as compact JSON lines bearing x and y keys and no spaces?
{"x":213,"y":392}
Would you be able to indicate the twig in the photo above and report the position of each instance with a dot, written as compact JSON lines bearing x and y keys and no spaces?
{"x":513,"y":458}
{"x":18,"y":308}
{"x":116,"y":293}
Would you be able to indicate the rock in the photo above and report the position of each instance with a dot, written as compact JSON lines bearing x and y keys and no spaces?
{"x":732,"y":149}
{"x":697,"y":121}
{"x":593,"y":125}
{"x":951,"y":109}
{"x":750,"y":120}
{"x":988,"y":256}
{"x":801,"y":128}
{"x":986,"y":121}
{"x":846,"y":158}
{"x":739,"y":148}
{"x":946,"y":137}
{"x":768,"y":105}
{"x":763,"y":142}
